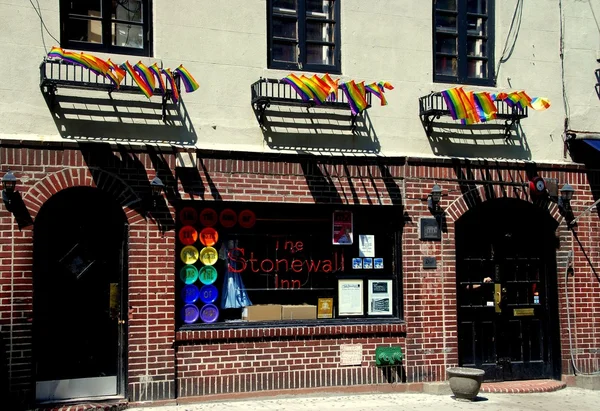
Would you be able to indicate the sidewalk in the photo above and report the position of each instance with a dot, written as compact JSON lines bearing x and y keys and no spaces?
{"x":566,"y":399}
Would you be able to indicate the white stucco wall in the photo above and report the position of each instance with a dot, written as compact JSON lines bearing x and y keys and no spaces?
{"x":224,"y":45}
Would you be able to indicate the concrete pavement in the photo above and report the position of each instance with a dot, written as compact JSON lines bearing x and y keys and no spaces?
{"x":567,"y":399}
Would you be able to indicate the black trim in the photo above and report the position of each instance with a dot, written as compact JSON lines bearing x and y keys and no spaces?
{"x":302,"y":41}
{"x":462,"y":57}
{"x":106,"y":46}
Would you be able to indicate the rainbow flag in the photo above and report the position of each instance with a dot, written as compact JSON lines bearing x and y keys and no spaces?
{"x":138,"y":79}
{"x":375,"y":89}
{"x":319,"y":94}
{"x":356,"y":101}
{"x":171,"y":79}
{"x":145,"y":74}
{"x":484,"y":106}
{"x":361,"y":88}
{"x":74,"y":58}
{"x":322,"y":84}
{"x":498,"y":96}
{"x":118,"y":71}
{"x":456,"y":103}
{"x":297,"y":84}
{"x":539,"y":103}
{"x":333,"y":86}
{"x":386,"y":85}
{"x":188,"y":80}
{"x":156,"y":72}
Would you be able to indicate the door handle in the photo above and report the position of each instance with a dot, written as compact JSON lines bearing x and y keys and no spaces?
{"x":497,"y":297}
{"x":121,"y":322}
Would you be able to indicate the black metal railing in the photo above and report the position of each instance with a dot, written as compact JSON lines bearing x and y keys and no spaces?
{"x":56,"y":73}
{"x":433,"y":106}
{"x":267,"y":92}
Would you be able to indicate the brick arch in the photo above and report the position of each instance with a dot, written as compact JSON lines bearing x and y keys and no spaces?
{"x":461,"y":205}
{"x":108,"y":182}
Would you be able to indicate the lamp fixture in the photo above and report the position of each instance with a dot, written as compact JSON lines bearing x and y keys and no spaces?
{"x":9,"y":184}
{"x":156,"y":187}
{"x":566,"y":194}
{"x":433,"y":200}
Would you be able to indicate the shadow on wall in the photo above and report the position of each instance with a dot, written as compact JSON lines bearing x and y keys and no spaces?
{"x":480,"y":141}
{"x":317,"y":130}
{"x":125,"y":120}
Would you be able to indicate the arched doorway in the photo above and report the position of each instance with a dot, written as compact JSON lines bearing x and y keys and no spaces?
{"x":80,"y":296}
{"x":507,"y":291}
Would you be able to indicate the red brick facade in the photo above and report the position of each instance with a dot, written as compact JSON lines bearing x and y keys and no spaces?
{"x":164,"y":363}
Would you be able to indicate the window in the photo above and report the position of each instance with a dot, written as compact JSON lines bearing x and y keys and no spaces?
{"x":304,"y":35}
{"x":243,"y":263}
{"x":464,"y":41}
{"x":114,"y":26}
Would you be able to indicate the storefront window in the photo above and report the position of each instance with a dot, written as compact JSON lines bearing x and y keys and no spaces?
{"x":253,"y":262}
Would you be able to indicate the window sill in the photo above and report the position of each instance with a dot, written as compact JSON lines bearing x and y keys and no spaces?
{"x":274,"y":330}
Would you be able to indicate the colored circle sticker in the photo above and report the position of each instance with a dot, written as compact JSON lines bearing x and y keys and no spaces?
{"x":188,"y":274}
{"x":189,"y":254}
{"x":188,"y":235}
{"x":209,"y":236}
{"x":247,"y":219}
{"x":208,"y":274}
{"x":209,"y":294}
{"x":228,"y":218}
{"x":190,"y":313}
{"x":190,"y":293}
{"x":209,"y":313}
{"x":188,"y":216}
{"x":209,"y":256}
{"x":208,"y":217}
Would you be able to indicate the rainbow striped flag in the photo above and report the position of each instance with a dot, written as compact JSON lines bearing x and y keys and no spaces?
{"x":118,"y":71}
{"x":377,"y":91}
{"x":319,"y":94}
{"x":171,"y":79}
{"x":297,"y":84}
{"x":484,"y":105}
{"x":356,"y":101}
{"x":458,"y":103}
{"x":539,"y":103}
{"x":333,"y":86}
{"x":188,"y":80}
{"x":138,"y":80}
{"x":145,"y":74}
{"x":156,"y":72}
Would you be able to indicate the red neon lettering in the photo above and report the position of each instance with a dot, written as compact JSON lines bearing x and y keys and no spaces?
{"x":233,"y":257}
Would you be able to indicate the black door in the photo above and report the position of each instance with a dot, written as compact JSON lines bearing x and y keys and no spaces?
{"x":506,"y":288}
{"x":79,"y":293}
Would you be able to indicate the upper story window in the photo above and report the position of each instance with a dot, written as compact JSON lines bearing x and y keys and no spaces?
{"x":464,"y":41}
{"x":113,"y":26}
{"x":304,"y":35}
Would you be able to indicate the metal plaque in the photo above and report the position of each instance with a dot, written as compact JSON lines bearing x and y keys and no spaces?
{"x":523,"y":312}
{"x":429,"y":262}
{"x":351,"y":354}
{"x":430,"y":229}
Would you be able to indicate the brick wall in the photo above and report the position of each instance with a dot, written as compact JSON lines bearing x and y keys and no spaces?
{"x":156,"y":353}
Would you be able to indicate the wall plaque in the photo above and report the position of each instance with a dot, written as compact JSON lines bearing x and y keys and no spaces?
{"x":351,"y":354}
{"x":429,"y":262}
{"x":430,"y":229}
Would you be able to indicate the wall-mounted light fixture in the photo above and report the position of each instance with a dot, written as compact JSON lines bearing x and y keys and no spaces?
{"x":9,"y":184}
{"x":433,"y":200}
{"x":566,"y":194}
{"x":156,"y":187}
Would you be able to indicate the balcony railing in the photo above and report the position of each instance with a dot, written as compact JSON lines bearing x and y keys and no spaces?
{"x":55,"y":74}
{"x":433,"y":106}
{"x":267,"y":92}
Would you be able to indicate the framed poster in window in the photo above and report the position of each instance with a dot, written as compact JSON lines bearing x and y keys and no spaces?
{"x":380,"y":297}
{"x":350,"y":297}
{"x":342,"y":228}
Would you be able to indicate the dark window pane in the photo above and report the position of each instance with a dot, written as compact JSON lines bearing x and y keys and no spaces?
{"x":446,"y":66}
{"x":477,"y":6}
{"x":89,"y":31}
{"x":445,"y":43}
{"x":85,"y":8}
{"x":476,"y":47}
{"x":283,"y":27}
{"x":445,"y":23}
{"x":317,"y":54}
{"x":285,"y":4}
{"x":319,"y":31}
{"x":476,"y":26}
{"x":127,"y":35}
{"x":477,"y":69}
{"x":446,"y":5}
{"x":284,"y":52}
{"x":319,"y":6}
{"x":130,"y":10}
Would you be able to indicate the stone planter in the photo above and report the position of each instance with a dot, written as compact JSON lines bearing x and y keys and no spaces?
{"x":465,"y":382}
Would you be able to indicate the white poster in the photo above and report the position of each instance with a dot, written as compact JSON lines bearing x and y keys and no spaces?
{"x":366,"y":245}
{"x":350,"y":297}
{"x":380,"y":297}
